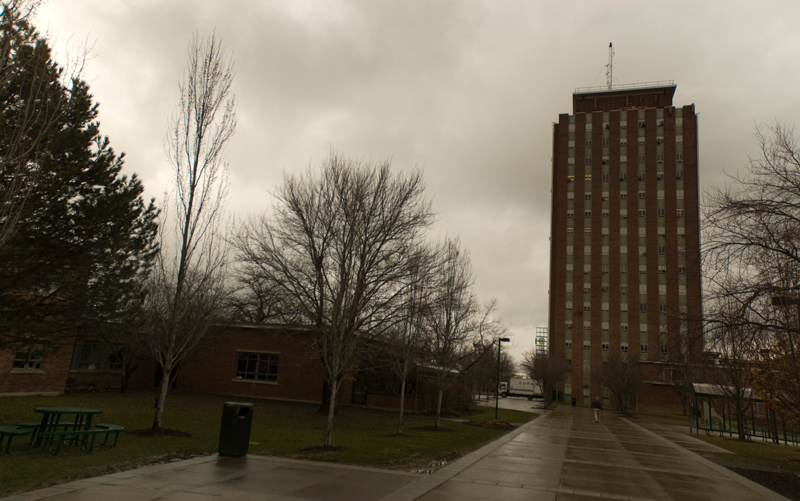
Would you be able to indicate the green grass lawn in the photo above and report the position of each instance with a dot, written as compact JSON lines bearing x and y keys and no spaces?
{"x":360,"y":436}
{"x":785,"y":457}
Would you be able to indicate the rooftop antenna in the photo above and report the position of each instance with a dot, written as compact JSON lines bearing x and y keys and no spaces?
{"x":610,"y":66}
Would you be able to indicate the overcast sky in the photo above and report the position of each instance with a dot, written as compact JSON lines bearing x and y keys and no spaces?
{"x":468,"y":90}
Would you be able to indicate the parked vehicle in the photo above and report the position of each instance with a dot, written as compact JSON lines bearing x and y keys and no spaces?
{"x":520,"y":387}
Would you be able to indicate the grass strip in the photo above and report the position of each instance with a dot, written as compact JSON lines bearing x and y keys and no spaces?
{"x":360,"y":436}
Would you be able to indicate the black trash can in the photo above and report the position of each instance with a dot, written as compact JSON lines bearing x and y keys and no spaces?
{"x":574,"y":401}
{"x":234,"y":432}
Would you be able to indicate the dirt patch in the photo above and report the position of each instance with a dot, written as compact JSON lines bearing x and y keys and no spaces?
{"x":784,"y":483}
{"x":430,"y":428}
{"x":492,"y":425}
{"x":163,"y":432}
{"x":320,"y":448}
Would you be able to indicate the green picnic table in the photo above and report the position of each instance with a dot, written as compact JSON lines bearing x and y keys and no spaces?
{"x":63,"y":424}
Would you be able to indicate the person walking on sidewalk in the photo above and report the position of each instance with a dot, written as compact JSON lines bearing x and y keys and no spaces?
{"x":597,"y":408}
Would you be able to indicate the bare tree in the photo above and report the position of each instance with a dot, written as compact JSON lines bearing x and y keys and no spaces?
{"x":736,"y":341}
{"x":547,"y":370}
{"x":186,"y":287}
{"x":623,"y":378}
{"x":752,"y":259}
{"x":339,"y":246}
{"x":452,"y":321}
{"x":404,"y":341}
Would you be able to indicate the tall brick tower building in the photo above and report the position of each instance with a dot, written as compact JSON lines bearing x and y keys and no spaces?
{"x":625,"y":239}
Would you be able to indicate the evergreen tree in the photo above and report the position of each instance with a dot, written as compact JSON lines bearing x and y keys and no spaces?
{"x":85,"y":238}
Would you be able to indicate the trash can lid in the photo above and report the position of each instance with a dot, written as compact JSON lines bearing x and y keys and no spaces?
{"x":238,"y":404}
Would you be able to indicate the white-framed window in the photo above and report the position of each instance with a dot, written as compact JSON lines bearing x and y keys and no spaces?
{"x":642,"y":195}
{"x":94,"y":356}
{"x":679,"y":194}
{"x":660,"y":158}
{"x":623,"y":159}
{"x":662,"y":269}
{"x":642,"y":159}
{"x":570,"y":144}
{"x":679,"y":157}
{"x":623,"y":289}
{"x":30,"y":357}
{"x":257,"y":366}
{"x":641,"y":176}
{"x":642,"y":269}
{"x":587,"y":161}
{"x":588,"y":143}
{"x":679,"y":138}
{"x":642,"y":288}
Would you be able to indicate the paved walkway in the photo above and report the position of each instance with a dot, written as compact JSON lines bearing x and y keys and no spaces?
{"x":562,"y":455}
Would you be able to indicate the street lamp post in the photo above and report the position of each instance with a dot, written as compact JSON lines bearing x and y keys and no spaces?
{"x":500,"y":340}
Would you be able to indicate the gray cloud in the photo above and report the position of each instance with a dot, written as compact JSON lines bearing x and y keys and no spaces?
{"x":466,"y":89}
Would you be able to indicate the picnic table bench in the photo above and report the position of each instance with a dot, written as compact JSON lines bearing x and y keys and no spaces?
{"x":52,"y":432}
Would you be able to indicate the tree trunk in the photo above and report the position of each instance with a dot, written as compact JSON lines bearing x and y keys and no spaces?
{"x":402,"y":405}
{"x":325,"y":405}
{"x":439,"y":406}
{"x":163,"y":388}
{"x":334,"y":389}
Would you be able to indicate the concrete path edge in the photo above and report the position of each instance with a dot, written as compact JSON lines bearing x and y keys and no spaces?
{"x":767,"y":493}
{"x":434,"y":480}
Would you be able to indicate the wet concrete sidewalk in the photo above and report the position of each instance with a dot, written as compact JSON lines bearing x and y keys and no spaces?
{"x":562,"y":455}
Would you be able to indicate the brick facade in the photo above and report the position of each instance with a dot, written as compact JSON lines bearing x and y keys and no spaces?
{"x":625,"y":236}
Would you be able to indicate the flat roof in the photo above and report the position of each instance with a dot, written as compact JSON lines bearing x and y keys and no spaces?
{"x":626,"y":88}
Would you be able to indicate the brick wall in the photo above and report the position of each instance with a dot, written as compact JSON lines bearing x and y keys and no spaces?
{"x":51,"y":380}
{"x":300,"y":375}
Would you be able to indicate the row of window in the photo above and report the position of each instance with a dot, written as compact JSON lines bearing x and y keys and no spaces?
{"x":623,"y":268}
{"x":92,"y":356}
{"x":623,"y":213}
{"x":623,"y":289}
{"x":642,"y":124}
{"x":623,"y":159}
{"x":623,"y":176}
{"x":623,"y":141}
{"x":623,"y":249}
{"x":605,"y":347}
{"x":623,"y":307}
